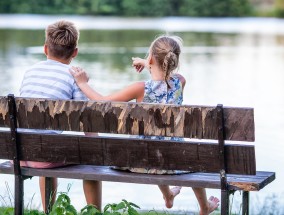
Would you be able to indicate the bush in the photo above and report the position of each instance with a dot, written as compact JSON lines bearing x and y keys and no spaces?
{"x":209,"y":8}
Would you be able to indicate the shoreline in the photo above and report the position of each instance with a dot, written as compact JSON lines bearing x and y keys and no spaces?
{"x":251,"y":25}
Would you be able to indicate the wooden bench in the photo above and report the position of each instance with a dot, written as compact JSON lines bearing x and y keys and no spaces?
{"x":217,"y":165}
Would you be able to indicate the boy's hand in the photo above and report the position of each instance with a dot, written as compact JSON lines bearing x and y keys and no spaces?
{"x":80,"y":76}
{"x":138,"y":63}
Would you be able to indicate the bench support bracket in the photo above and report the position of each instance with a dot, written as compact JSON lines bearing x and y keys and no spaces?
{"x":222,"y":158}
{"x":245,"y":203}
{"x":19,"y":180}
{"x":224,"y":193}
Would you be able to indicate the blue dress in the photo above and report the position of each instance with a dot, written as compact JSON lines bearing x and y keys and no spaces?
{"x":158,"y":92}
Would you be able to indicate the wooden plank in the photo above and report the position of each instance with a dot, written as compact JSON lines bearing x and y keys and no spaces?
{"x":6,"y":148}
{"x":4,"y":113}
{"x":131,"y":118}
{"x":133,"y":152}
{"x":240,"y":159}
{"x":206,"y":180}
{"x":6,"y":168}
{"x":101,"y":173}
{"x":240,"y":183}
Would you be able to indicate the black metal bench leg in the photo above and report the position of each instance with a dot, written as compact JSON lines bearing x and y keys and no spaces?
{"x":245,"y":203}
{"x":224,"y":202}
{"x":19,"y":195}
{"x":48,"y":194}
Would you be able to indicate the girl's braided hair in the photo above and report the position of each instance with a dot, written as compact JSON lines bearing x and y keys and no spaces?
{"x":166,"y":51}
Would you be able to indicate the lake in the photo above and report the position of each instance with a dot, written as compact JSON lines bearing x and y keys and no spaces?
{"x":230,"y":61}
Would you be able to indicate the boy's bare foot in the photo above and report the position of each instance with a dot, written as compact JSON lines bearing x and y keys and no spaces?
{"x":169,"y":201}
{"x":213,"y":204}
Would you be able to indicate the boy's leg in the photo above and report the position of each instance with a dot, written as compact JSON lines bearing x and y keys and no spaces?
{"x":93,"y":193}
{"x":42,"y":180}
{"x":206,"y":205}
{"x":169,"y":194}
{"x":42,"y":191}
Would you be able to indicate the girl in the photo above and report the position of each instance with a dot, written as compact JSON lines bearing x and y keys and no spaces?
{"x":163,"y":87}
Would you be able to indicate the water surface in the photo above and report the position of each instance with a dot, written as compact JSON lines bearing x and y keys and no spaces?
{"x":234,"y":62}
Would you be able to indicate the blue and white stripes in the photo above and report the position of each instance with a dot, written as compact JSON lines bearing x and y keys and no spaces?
{"x":50,"y":79}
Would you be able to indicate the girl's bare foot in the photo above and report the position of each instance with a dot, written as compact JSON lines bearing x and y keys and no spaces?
{"x":169,"y":200}
{"x":213,"y":204}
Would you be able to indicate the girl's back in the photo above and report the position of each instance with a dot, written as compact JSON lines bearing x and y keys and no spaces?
{"x":158,"y":91}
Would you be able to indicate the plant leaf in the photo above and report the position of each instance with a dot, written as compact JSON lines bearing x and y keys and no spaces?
{"x":134,"y":205}
{"x":120,"y":206}
{"x":91,"y":209}
{"x":107,"y":207}
{"x":70,"y":209}
{"x":132,"y":211}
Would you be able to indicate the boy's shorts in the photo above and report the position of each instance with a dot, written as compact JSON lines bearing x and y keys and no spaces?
{"x":40,"y":165}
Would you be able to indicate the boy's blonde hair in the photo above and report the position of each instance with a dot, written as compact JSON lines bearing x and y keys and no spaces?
{"x":166,"y":50}
{"x":61,"y":39}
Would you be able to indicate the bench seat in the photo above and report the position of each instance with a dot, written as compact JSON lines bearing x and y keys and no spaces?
{"x":104,"y":173}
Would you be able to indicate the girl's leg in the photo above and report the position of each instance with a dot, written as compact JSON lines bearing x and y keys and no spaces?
{"x":206,"y":205}
{"x":169,"y":194}
{"x":93,"y":193}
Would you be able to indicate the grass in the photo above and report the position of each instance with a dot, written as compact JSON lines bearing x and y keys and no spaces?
{"x":269,"y":206}
{"x":10,"y":211}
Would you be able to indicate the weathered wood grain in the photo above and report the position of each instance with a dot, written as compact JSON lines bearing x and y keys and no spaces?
{"x":130,"y":118}
{"x":131,"y":152}
{"x":6,"y":149}
{"x":235,"y":182}
{"x":4,"y":113}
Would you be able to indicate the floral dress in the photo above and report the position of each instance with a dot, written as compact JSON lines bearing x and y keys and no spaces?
{"x":158,"y":92}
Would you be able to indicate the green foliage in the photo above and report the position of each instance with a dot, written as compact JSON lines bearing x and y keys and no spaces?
{"x":279,"y":13}
{"x":215,"y":8}
{"x":63,"y":206}
{"x":90,"y":210}
{"x":124,"y":207}
{"x":7,"y":211}
{"x":205,"y":8}
{"x":279,"y":8}
{"x":146,"y":8}
{"x":10,"y":211}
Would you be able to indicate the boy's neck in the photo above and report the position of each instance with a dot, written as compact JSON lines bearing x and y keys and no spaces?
{"x":64,"y":61}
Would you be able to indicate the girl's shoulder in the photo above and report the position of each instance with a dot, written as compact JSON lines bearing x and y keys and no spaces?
{"x":180,"y":78}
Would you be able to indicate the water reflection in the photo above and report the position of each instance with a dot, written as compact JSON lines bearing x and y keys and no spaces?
{"x":236,"y":69}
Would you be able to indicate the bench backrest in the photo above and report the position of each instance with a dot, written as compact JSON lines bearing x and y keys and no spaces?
{"x":195,"y":122}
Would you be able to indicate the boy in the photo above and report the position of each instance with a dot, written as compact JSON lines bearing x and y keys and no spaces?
{"x":51,"y":79}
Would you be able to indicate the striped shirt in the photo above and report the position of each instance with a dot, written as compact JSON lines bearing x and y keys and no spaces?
{"x":50,"y":79}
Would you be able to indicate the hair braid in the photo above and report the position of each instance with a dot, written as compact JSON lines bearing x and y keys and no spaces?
{"x":169,"y":64}
{"x":166,"y":50}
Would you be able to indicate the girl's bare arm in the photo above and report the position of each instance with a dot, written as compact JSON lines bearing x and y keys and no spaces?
{"x":133,"y":91}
